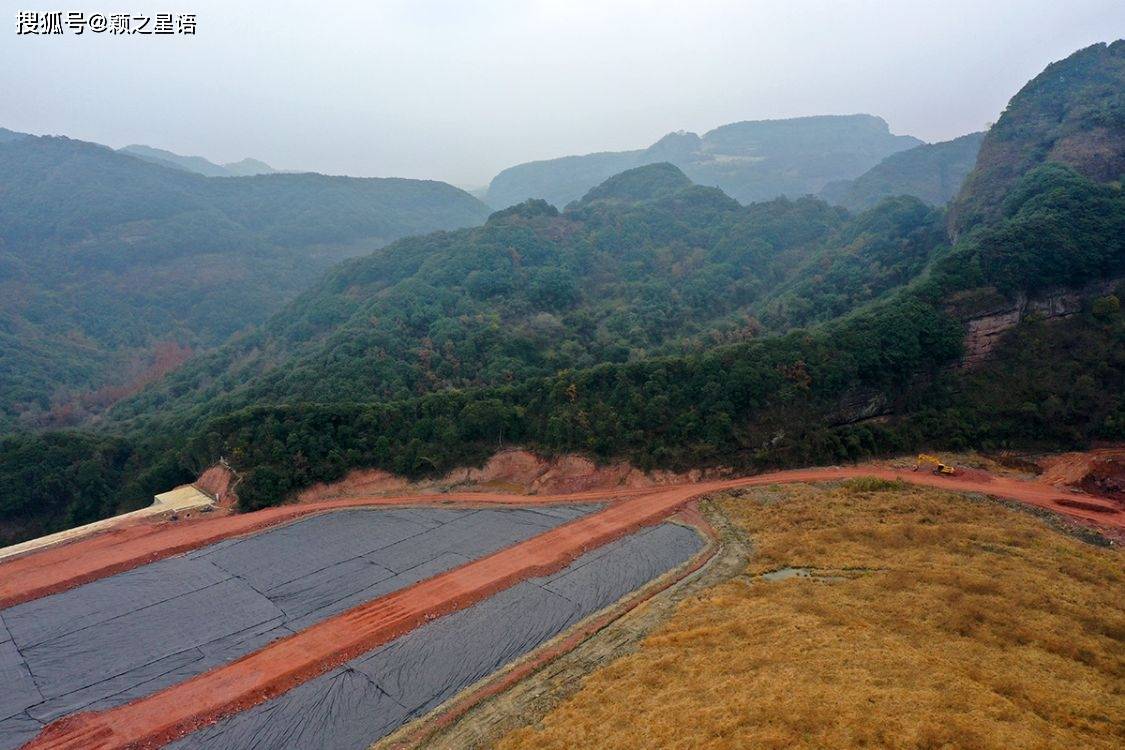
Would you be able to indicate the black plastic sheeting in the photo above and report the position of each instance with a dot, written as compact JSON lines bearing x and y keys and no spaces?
{"x":355,"y":705}
{"x":126,"y":636}
{"x":17,"y":692}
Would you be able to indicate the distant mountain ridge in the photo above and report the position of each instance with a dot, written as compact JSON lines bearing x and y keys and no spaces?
{"x":932,"y":172}
{"x":6,"y":136}
{"x":197,"y":164}
{"x":750,"y":161}
{"x":106,"y":260}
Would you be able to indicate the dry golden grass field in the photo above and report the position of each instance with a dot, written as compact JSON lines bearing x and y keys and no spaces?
{"x":938,"y":621}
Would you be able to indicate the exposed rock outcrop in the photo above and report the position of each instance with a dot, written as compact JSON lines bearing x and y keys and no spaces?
{"x":984,"y":330}
{"x":860,"y":405}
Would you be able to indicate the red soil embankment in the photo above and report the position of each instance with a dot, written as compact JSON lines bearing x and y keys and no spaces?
{"x":1100,"y":472}
{"x":514,"y":470}
{"x":219,"y":482}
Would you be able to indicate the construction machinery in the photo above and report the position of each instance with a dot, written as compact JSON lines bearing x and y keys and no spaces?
{"x":939,"y":467}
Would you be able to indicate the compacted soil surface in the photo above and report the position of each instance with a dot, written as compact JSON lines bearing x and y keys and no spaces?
{"x":871,"y":614}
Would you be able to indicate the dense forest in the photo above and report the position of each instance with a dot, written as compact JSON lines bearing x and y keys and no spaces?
{"x":750,"y":161}
{"x":646,"y":264}
{"x":106,"y":261}
{"x":932,"y":172}
{"x":781,"y":400}
{"x":657,"y":321}
{"x":1072,"y":113}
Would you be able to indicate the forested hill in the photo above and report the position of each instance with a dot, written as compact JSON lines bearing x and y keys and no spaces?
{"x":652,"y":266}
{"x":11,"y":135}
{"x":879,"y":379}
{"x":657,"y":321}
{"x":645,"y":264}
{"x":933,"y":172}
{"x":750,"y":161}
{"x":1072,"y":113}
{"x":110,"y":264}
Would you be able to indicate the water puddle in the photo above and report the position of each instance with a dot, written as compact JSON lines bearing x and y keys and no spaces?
{"x":783,"y":574}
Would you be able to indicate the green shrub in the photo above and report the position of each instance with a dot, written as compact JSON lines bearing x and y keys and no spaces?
{"x":875,"y":484}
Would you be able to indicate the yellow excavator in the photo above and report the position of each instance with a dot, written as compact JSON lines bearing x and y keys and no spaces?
{"x":939,"y":467}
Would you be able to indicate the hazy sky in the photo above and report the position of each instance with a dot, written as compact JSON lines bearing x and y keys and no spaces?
{"x":459,"y":90}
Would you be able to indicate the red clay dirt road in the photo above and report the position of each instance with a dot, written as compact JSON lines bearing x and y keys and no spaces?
{"x":159,"y":718}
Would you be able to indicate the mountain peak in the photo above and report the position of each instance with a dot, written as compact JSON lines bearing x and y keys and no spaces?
{"x":529,"y":209}
{"x":1072,"y":113}
{"x":247,"y":167}
{"x":678,"y":145}
{"x":198,"y":164}
{"x":650,"y":182}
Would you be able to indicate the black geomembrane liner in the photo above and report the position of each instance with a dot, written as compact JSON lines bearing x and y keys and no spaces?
{"x":355,"y":705}
{"x":126,"y":636}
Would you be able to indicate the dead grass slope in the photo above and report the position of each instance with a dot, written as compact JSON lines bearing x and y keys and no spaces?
{"x":959,"y":623}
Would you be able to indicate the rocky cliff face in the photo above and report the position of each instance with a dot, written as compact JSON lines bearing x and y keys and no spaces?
{"x":859,"y":406}
{"x":984,"y":330}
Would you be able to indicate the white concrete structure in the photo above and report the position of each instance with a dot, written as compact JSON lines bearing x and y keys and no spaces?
{"x":185,"y":497}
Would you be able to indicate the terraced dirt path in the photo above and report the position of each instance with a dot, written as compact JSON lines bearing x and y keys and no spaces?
{"x":161,"y":717}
